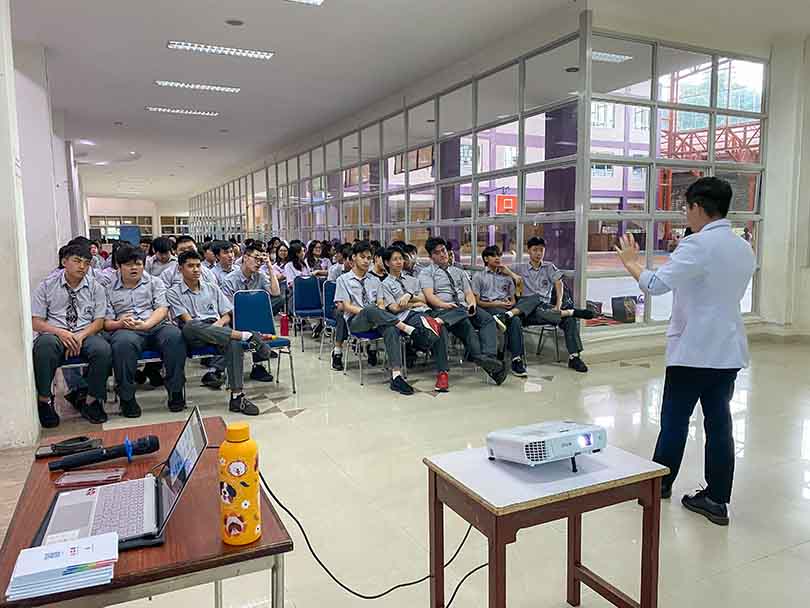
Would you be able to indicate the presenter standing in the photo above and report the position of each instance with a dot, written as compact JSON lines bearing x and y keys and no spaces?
{"x":708,"y":273}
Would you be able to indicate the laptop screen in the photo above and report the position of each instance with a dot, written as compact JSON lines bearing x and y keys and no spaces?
{"x":185,"y":455}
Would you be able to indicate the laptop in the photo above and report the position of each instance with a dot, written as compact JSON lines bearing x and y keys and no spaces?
{"x":138,"y":509}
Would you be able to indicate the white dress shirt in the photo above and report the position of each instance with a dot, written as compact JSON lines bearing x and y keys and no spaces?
{"x":709,"y":271}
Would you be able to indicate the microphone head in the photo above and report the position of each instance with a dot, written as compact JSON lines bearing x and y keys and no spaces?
{"x":146,"y":445}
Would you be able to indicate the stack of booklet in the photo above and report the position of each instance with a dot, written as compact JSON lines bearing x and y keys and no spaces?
{"x":65,"y":566}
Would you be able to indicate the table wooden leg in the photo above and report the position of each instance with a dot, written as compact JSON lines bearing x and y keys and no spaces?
{"x":436,"y":525}
{"x":651,"y":531}
{"x":574,"y":558}
{"x":497,"y":573}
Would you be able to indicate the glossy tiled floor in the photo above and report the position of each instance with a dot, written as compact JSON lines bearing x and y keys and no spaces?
{"x":348,"y":461}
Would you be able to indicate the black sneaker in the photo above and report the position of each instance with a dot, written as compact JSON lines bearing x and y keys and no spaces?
{"x":243,"y":405}
{"x":177,"y":403}
{"x":423,"y":339}
{"x":260,"y":374}
{"x":490,"y":364}
{"x":140,"y":376}
{"x":499,"y":377}
{"x":337,"y":362}
{"x":130,"y":409}
{"x":584,"y":313}
{"x":316,"y":331}
{"x":259,"y":345}
{"x":94,"y":412}
{"x":48,"y":417}
{"x":700,"y":503}
{"x":666,"y":491}
{"x":518,"y":369}
{"x":213,"y":380}
{"x":77,"y":398}
{"x":153,"y":374}
{"x":577,"y":364}
{"x":372,"y":358}
{"x":399,"y":385}
{"x":501,"y":320}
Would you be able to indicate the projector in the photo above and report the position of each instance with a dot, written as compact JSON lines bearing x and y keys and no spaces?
{"x":546,"y":442}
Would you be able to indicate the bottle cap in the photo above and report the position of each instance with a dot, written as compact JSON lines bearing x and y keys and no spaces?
{"x":237,"y":432}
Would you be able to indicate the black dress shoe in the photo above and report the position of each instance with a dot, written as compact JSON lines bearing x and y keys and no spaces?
{"x":153,"y":374}
{"x":499,"y":376}
{"x":243,"y":405}
{"x":77,"y":399}
{"x":177,"y":403}
{"x":337,"y":362}
{"x":213,"y":380}
{"x":699,"y":502}
{"x":490,"y":364}
{"x":130,"y":409}
{"x":372,"y":358}
{"x":48,"y":417}
{"x":399,"y":385}
{"x":666,"y":491}
{"x":260,"y":374}
{"x":140,"y":376}
{"x":94,"y":412}
{"x":578,"y":365}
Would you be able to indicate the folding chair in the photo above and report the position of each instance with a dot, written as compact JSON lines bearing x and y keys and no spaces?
{"x":307,"y":303}
{"x":253,"y":312}
{"x":329,"y":319}
{"x":556,"y":330}
{"x":356,"y":343}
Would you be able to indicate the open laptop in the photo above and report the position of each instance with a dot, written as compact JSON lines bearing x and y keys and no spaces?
{"x":137,"y":509}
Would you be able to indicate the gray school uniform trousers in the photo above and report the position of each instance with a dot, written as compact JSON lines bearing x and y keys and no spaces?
{"x":464,"y":327}
{"x":127,"y":346}
{"x":49,"y":355}
{"x":203,"y":333}
{"x":373,"y":317}
{"x":537,"y":312}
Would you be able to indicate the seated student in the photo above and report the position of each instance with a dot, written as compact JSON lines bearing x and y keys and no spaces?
{"x":326,"y":255}
{"x":343,"y":262}
{"x":297,"y":265}
{"x":378,"y":266}
{"x":209,"y":259}
{"x":448,"y":291}
{"x":205,"y":312}
{"x":163,"y":257}
{"x":340,"y":267}
{"x":413,"y":267}
{"x":171,"y":276}
{"x":138,"y":320}
{"x":145,"y":245}
{"x":403,"y":297}
{"x":223,"y":251}
{"x":358,"y":296}
{"x":248,"y":277}
{"x":313,"y":259}
{"x":68,"y":314}
{"x":98,"y":261}
{"x":535,"y":308}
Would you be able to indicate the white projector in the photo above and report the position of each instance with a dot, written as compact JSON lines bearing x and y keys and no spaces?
{"x":546,"y":442}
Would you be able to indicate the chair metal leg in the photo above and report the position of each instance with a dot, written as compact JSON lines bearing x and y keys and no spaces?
{"x":292,"y":369}
{"x":360,"y":362}
{"x":557,"y":343}
{"x":302,"y":336}
{"x":278,"y":366}
{"x":541,"y":340}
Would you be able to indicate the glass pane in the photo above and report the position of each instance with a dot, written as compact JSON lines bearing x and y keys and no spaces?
{"x":259,"y":187}
{"x":498,"y":148}
{"x":603,"y":236}
{"x":395,"y":208}
{"x":304,"y":165}
{"x":422,"y":123}
{"x":131,"y":219}
{"x":419,"y":236}
{"x":620,"y":130}
{"x":620,"y":298}
{"x":394,"y":234}
{"x":498,"y":198}
{"x":395,"y":172}
{"x":332,"y":156}
{"x":737,"y":139}
{"x":672,"y":186}
{"x":351,"y":182}
{"x":293,"y":194}
{"x":666,"y":237}
{"x":333,"y":214}
{"x":370,"y":142}
{"x":685,"y":77}
{"x":394,"y":134}
{"x":422,"y":203}
{"x":559,"y":237}
{"x":497,"y":95}
{"x":683,"y":135}
{"x":144,"y":220}
{"x":553,"y":190}
{"x":551,"y":134}
{"x":456,"y":111}
{"x":622,"y":67}
{"x":319,"y":189}
{"x":282,"y":173}
{"x":292,"y":220}
{"x":420,"y":164}
{"x":305,"y":192}
{"x":502,"y":235}
{"x":292,"y":170}
{"x":351,"y":213}
{"x":351,"y":149}
{"x":371,"y":210}
{"x":271,"y":177}
{"x":456,"y":201}
{"x":459,"y":241}
{"x":317,"y":161}
{"x":618,"y":188}
{"x":333,"y":185}
{"x":456,"y":157}
{"x":561,"y":62}
{"x":740,"y":84}
{"x":745,"y":188}
{"x":748,"y":231}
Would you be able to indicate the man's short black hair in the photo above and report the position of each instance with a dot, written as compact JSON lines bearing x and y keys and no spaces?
{"x":218,"y":246}
{"x":345,"y":250}
{"x":433,"y":242}
{"x":192,"y":254}
{"x":255,"y":246}
{"x":411,"y":249}
{"x":490,"y":252}
{"x":162,"y":244}
{"x":375,"y":245}
{"x":712,"y":194}
{"x":184,"y":239}
{"x":536,"y":241}
{"x":127,"y":253}
{"x":146,"y":240}
{"x":206,"y":246}
{"x":387,"y":252}
{"x":400,"y":244}
{"x":361,"y":247}
{"x":79,"y":240}
{"x":81,"y":250}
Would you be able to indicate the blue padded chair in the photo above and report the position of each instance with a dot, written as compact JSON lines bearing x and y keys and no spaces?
{"x":329,"y":312}
{"x":252,"y":311}
{"x":307,"y":303}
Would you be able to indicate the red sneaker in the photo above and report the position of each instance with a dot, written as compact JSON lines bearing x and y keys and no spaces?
{"x":442,"y":383}
{"x":432,"y":324}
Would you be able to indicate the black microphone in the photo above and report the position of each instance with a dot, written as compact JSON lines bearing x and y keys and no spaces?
{"x":142,"y":445}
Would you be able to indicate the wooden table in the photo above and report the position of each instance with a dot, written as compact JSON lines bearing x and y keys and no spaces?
{"x":499,"y":498}
{"x":193,"y":553}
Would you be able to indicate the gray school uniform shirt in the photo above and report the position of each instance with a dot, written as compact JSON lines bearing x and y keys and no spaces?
{"x":172,"y":275}
{"x":433,"y":277}
{"x":52,"y":301}
{"x":335,"y":271}
{"x":155,"y":267}
{"x":208,"y":303}
{"x":220,"y":273}
{"x":140,"y":301}
{"x":393,"y":289}
{"x":237,"y":281}
{"x":350,"y":288}
{"x":539,"y":281}
{"x":491,"y":286}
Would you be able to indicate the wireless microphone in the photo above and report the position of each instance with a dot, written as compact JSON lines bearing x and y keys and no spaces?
{"x":142,"y":445}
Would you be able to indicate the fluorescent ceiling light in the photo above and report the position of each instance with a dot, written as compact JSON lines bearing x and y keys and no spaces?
{"x":182,"y":111}
{"x":446,"y":133}
{"x":86,"y":142}
{"x":609,"y":57}
{"x":213,"y":49}
{"x":309,"y":2}
{"x":194,"y":86}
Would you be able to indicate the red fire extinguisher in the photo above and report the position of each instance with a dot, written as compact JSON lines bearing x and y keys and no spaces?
{"x":284,"y":321}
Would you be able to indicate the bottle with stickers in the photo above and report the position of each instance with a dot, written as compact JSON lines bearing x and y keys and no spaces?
{"x":239,"y":492}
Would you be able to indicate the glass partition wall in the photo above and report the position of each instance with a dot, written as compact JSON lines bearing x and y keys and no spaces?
{"x":579,"y":142}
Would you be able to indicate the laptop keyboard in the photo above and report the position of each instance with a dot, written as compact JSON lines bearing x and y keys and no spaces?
{"x":120,"y":509}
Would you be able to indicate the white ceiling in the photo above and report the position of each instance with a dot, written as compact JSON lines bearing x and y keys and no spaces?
{"x":104,"y":56}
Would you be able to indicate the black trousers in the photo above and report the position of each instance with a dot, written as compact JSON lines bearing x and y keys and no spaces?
{"x":683,"y":387}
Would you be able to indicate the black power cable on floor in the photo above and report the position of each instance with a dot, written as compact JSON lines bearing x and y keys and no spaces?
{"x":349,"y":589}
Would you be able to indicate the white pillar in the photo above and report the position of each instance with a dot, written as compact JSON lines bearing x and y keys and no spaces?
{"x":18,"y":419}
{"x":64,"y":227}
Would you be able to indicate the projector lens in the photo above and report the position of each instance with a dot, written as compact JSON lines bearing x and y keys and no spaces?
{"x":585,"y":440}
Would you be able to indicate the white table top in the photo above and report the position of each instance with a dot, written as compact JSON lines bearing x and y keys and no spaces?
{"x":506,"y":487}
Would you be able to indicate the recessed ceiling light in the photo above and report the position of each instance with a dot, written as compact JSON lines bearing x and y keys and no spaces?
{"x":214,"y":49}
{"x":118,"y":123}
{"x":235,"y":22}
{"x":102,"y":163}
{"x":182,"y":111}
{"x":308,"y":2}
{"x":133,"y":152}
{"x":572,"y":70}
{"x":448,"y":133}
{"x":224,"y":131}
{"x":203,"y":147}
{"x":431,"y":120}
{"x":609,"y":57}
{"x":195,"y":86}
{"x":86,"y":142}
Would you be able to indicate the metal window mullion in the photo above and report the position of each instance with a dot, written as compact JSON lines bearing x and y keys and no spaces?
{"x":583,"y":172}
